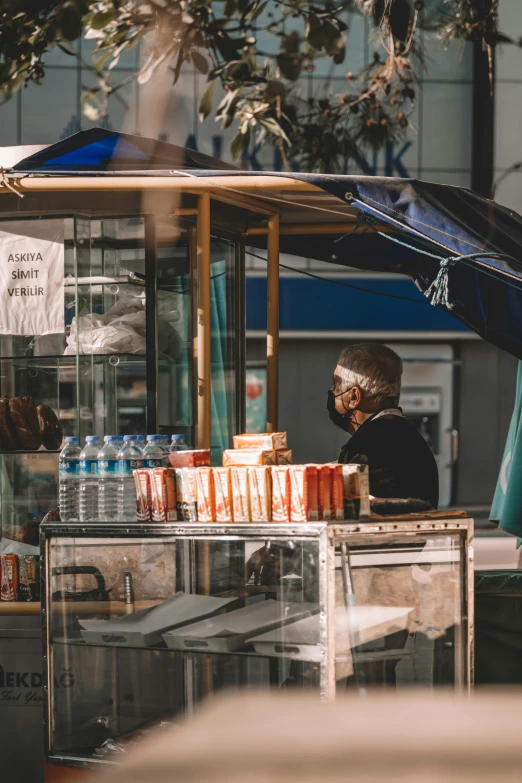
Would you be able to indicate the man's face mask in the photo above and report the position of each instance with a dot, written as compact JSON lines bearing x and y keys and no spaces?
{"x":341,"y":420}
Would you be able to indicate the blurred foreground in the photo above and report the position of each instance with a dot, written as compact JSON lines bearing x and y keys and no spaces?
{"x":422,"y":736}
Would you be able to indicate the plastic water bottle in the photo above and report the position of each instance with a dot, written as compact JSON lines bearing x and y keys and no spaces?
{"x":178,"y":443}
{"x":68,"y":474}
{"x":130,"y":458}
{"x":154,"y":453}
{"x":89,"y":479}
{"x":108,"y":478}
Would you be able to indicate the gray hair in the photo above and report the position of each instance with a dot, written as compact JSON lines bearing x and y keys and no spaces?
{"x":376,"y":369}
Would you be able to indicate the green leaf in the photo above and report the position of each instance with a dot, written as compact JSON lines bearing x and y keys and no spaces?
{"x":239,"y":143}
{"x":103,"y":18}
{"x":339,"y":57}
{"x":200,"y":62}
{"x":206,"y":101}
{"x":69,"y":21}
{"x":290,"y":65}
{"x":259,"y":10}
{"x":230,"y":7}
{"x":314,"y":33}
{"x":273,"y":89}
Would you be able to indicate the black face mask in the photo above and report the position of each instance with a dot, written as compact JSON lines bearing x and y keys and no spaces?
{"x":339,"y":419}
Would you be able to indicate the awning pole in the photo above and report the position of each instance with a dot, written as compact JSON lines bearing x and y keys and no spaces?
{"x":272,"y":336}
{"x":203,"y":325}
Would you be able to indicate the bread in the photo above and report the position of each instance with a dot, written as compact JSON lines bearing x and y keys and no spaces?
{"x":50,"y":427}
{"x":25,"y":423}
{"x":7,"y":437}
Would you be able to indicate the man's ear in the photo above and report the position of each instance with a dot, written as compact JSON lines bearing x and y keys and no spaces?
{"x":355,"y":397}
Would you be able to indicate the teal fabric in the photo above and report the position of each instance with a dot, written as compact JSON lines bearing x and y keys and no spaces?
{"x":222,"y":420}
{"x":507,"y":503}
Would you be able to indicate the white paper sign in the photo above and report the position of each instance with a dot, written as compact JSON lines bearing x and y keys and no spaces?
{"x":31,"y":277}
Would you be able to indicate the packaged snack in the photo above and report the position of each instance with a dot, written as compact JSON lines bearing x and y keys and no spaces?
{"x":325,"y":492}
{"x":28,"y":578}
{"x":248,"y":457}
{"x":143,"y":494}
{"x":337,"y":492}
{"x":163,"y":494}
{"x":280,"y":493}
{"x":189,"y":459}
{"x":284,"y":457}
{"x":356,"y":491}
{"x":267,"y":441}
{"x":304,"y":494}
{"x":186,"y":494}
{"x":205,"y":495}
{"x":240,"y":494}
{"x":9,"y":579}
{"x":222,"y":494}
{"x":260,"y":488}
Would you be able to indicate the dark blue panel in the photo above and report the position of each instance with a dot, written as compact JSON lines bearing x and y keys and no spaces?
{"x":307,"y":304}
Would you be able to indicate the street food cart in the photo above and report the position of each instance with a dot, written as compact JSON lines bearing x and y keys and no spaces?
{"x":144,"y":228}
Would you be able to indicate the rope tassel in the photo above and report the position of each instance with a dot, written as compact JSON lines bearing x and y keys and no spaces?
{"x":438,"y":291}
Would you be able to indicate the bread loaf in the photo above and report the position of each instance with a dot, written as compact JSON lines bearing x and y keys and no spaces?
{"x":50,"y":427}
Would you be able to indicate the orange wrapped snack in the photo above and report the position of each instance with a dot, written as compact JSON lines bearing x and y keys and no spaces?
{"x":356,"y":491}
{"x":284,"y":457}
{"x":304,"y":496}
{"x":205,"y":495}
{"x":189,"y":459}
{"x":267,"y":441}
{"x":163,"y":494}
{"x":280,"y":493}
{"x":325,"y":492}
{"x":223,"y":494}
{"x":260,"y":488}
{"x":337,"y":492}
{"x":248,"y":457}
{"x":186,"y":494}
{"x":143,"y":494}
{"x":240,"y":494}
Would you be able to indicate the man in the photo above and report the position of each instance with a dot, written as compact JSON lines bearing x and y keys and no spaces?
{"x":364,"y":401}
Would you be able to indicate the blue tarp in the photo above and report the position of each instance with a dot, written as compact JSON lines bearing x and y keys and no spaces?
{"x":434,"y":221}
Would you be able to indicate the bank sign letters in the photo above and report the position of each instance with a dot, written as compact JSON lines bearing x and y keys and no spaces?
{"x":31,"y":277}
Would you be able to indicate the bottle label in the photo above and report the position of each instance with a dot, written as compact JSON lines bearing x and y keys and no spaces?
{"x":88,"y":467}
{"x":69,"y":467}
{"x":107,"y":467}
{"x":126,"y":466}
{"x":155,"y":462}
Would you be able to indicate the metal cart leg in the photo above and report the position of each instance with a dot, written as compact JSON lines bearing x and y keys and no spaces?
{"x":350,"y":602}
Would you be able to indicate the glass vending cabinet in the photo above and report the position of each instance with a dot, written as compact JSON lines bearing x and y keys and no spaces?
{"x":108,"y":337}
{"x":141,"y":623}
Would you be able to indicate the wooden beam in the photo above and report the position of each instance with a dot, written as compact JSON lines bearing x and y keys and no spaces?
{"x":272,"y":335}
{"x":203,"y":322}
{"x":291,"y":229}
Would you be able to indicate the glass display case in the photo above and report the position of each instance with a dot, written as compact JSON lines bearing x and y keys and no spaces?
{"x":141,"y":623}
{"x":112,"y":348}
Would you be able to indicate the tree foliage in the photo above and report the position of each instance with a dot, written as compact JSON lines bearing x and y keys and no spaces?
{"x":222,"y":40}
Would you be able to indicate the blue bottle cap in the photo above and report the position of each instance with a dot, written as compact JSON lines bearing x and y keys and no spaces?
{"x":175,"y":438}
{"x":153,"y":437}
{"x":127,"y":438}
{"x":139,"y":438}
{"x":92,"y":439}
{"x":72,"y":440}
{"x":108,"y":438}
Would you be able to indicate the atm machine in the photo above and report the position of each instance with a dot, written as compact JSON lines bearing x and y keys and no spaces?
{"x":427,"y":401}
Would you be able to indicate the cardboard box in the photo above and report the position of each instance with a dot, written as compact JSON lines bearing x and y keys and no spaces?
{"x":232,"y":630}
{"x":356,"y":491}
{"x":240,"y":494}
{"x":163,"y":494}
{"x":284,"y":457}
{"x":280,"y":493}
{"x":223,"y":494}
{"x":267,"y":441}
{"x":186,"y":494}
{"x":146,"y":627}
{"x":205,"y":495}
{"x":248,"y":457}
{"x":143,"y":494}
{"x":325,"y":492}
{"x":304,"y":493}
{"x":260,"y":488}
{"x":189,"y":459}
